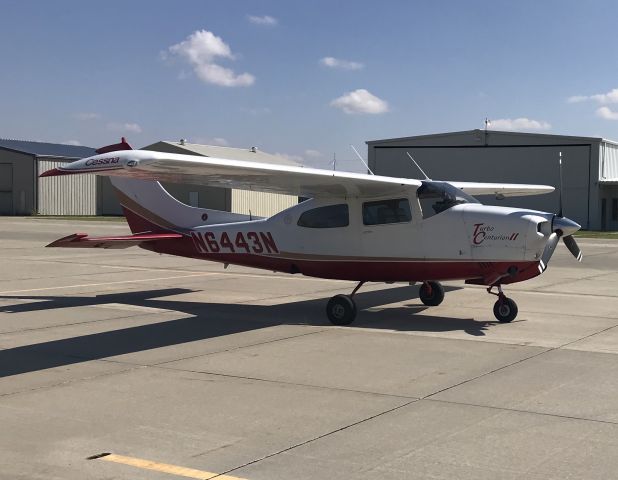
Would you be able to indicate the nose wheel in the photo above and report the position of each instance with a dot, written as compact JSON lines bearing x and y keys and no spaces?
{"x":431,"y":293}
{"x":505,"y":309}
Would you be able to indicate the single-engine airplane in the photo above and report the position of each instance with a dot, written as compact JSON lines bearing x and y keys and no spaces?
{"x":360,"y":227}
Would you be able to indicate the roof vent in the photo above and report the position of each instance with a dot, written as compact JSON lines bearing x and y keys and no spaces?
{"x":253,"y":149}
{"x":183,"y":141}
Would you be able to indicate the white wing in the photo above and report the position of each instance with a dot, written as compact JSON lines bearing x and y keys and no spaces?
{"x":264,"y":177}
{"x":502,"y":189}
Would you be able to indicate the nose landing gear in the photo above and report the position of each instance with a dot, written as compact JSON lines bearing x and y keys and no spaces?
{"x":505,"y":309}
{"x":431,"y":293}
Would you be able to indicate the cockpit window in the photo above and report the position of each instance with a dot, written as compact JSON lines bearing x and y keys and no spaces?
{"x":331,"y":216}
{"x":381,"y":212}
{"x":436,"y":197}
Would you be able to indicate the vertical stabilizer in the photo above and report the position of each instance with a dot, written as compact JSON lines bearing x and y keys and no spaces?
{"x":148,"y":207}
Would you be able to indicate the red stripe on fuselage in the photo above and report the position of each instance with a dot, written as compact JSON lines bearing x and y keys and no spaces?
{"x":358,"y":269}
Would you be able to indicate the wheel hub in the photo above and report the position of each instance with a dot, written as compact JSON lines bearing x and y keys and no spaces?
{"x":338,"y":311}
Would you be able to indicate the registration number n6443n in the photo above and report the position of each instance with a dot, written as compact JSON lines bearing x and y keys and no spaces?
{"x":223,"y":242}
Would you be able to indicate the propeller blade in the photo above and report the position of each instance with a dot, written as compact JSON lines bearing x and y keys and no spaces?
{"x":550,"y":247}
{"x":571,"y":244}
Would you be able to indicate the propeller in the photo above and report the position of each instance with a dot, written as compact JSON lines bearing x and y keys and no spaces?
{"x":559,"y":226}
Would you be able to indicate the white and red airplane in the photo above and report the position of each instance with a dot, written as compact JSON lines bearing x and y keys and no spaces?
{"x":366,"y":228}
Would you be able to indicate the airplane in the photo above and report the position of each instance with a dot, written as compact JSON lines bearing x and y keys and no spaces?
{"x":359,"y":227}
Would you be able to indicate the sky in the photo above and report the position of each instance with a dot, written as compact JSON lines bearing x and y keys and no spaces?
{"x":305,"y":79}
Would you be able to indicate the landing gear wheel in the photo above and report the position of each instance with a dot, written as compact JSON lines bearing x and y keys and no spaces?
{"x":431,"y":293}
{"x":341,"y":310}
{"x":505,"y":310}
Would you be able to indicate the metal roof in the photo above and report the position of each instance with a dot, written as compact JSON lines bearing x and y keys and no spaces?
{"x":500,"y":133}
{"x":230,"y":153}
{"x":43,"y":149}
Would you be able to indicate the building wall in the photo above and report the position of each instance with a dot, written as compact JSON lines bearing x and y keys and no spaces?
{"x":208,"y":197}
{"x":67,"y":194}
{"x":260,"y":204}
{"x":17,"y":186}
{"x":499,"y":163}
{"x":609,"y":196}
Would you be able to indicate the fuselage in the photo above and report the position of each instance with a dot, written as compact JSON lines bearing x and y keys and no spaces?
{"x":428,"y":235}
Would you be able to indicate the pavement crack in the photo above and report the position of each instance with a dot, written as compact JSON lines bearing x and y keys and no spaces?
{"x":232,"y":349}
{"x":319,"y":437}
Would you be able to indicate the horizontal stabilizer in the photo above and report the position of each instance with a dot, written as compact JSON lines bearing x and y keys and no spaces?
{"x":82,"y":240}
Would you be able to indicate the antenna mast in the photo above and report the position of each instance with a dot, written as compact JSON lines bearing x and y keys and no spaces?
{"x":418,"y":166}
{"x":361,"y":159}
{"x":561,"y":185}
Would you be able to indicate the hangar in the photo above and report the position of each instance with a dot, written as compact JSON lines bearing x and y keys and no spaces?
{"x":590,"y":167}
{"x":23,"y":193}
{"x":230,"y":200}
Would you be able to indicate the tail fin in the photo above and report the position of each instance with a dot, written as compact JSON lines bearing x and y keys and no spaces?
{"x":123,"y":145}
{"x":148,"y":207}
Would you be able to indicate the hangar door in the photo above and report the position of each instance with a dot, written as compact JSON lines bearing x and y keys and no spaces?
{"x":6,"y":189}
{"x":506,"y":164}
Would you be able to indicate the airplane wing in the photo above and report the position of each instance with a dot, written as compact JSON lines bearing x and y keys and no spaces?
{"x":264,"y":177}
{"x":502,"y":189}
{"x":245,"y":175}
{"x":82,"y":240}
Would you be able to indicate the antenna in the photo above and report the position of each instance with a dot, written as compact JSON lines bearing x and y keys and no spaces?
{"x":361,"y":159}
{"x":418,"y":166}
{"x":561,"y":185}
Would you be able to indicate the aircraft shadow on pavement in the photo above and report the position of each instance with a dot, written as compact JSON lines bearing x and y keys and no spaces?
{"x":206,"y":320}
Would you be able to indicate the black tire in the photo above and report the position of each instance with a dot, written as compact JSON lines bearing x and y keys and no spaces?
{"x":505,"y":310}
{"x":341,"y":310}
{"x":431,"y":295}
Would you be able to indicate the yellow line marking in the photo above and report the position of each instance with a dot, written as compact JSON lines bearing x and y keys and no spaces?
{"x":165,"y":467}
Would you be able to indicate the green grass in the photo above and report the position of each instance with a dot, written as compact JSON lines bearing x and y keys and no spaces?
{"x":86,"y":218}
{"x":596,"y":234}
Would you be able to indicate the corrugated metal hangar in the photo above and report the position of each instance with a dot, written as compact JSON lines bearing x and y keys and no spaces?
{"x":23,"y":193}
{"x":260,"y":204}
{"x":590,"y":168}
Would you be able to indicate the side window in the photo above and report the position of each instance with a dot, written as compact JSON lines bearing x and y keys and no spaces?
{"x":331,"y":216}
{"x":386,"y":211}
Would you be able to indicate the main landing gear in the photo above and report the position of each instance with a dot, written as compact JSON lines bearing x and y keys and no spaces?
{"x":341,"y":309}
{"x":505,"y":309}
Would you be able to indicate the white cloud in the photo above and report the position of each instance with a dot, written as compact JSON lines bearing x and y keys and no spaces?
{"x":607,"y":113}
{"x":602,"y":98}
{"x":360,"y":101}
{"x":577,"y":99}
{"x":124,"y":127}
{"x":256,"y":111}
{"x":265,"y":20}
{"x":518,"y":124}
{"x":333,"y":62}
{"x":200,"y":50}
{"x":292,"y":158}
{"x":77,"y":143}
{"x":86,"y":116}
{"x":222,"y":142}
{"x":313,"y":153}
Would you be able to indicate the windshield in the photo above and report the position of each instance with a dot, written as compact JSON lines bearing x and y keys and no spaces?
{"x":436,"y":197}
